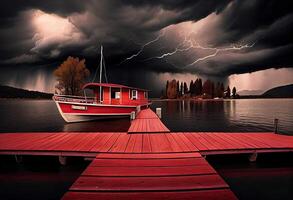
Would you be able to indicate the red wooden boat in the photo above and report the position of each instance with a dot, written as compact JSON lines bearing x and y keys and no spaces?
{"x":108,"y":100}
{"x":115,"y":101}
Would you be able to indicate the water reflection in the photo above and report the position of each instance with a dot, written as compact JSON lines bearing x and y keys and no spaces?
{"x":115,"y":125}
{"x":239,"y":115}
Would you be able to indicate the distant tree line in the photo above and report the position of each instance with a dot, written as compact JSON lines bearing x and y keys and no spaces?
{"x":197,"y":89}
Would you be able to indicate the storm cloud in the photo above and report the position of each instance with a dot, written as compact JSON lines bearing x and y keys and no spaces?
{"x":201,"y":37}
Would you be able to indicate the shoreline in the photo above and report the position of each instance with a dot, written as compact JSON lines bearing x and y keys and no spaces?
{"x":24,"y":99}
{"x":151,"y":99}
{"x":191,"y":99}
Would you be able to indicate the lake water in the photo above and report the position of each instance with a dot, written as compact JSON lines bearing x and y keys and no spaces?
{"x":241,"y":115}
{"x":44,"y":178}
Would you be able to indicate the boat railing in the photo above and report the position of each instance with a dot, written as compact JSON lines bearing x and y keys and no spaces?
{"x":75,"y":99}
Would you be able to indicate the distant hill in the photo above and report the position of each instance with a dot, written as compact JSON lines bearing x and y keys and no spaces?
{"x":11,"y":92}
{"x":250,"y":92}
{"x":285,"y":91}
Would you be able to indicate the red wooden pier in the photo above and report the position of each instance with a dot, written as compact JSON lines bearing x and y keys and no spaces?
{"x":148,"y":162}
{"x":147,"y":122}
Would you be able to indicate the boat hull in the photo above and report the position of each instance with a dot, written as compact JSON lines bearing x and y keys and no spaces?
{"x":83,"y":118}
{"x":79,"y":112}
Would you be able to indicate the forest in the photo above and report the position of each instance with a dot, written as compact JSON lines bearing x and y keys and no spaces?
{"x":197,"y":89}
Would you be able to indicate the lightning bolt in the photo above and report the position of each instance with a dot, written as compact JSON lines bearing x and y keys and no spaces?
{"x":179,"y":48}
{"x":217,"y":50}
{"x":188,"y":44}
{"x":143,"y":46}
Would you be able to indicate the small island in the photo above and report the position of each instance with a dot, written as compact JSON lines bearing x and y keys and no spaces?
{"x":197,"y":90}
{"x":210,"y":90}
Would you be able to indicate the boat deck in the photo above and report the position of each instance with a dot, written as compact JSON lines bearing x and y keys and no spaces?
{"x":147,"y":122}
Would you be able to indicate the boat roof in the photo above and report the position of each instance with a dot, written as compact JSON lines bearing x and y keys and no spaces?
{"x":112,"y":85}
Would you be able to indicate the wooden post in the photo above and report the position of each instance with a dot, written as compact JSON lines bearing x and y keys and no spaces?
{"x":18,"y":159}
{"x":159,"y":112}
{"x":132,"y":115}
{"x":138,"y":109}
{"x":276,"y":123}
{"x":253,"y":157}
{"x":62,"y":160}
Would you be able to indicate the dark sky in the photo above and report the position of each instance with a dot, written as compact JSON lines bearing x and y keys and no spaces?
{"x":145,"y":42}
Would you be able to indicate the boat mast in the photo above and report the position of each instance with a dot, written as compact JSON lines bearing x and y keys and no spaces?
{"x":101,"y":71}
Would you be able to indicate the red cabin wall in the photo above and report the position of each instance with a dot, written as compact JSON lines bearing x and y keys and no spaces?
{"x":125,"y":96}
{"x":97,"y":95}
{"x":107,"y":96}
{"x":140,"y":100}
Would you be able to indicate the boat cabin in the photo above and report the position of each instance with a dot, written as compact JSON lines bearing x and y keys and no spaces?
{"x":116,"y":94}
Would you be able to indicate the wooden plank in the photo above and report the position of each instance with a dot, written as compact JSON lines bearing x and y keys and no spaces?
{"x":155,"y":145}
{"x":270,"y":140}
{"x":195,"y":141}
{"x":147,"y":126}
{"x":251,"y":143}
{"x":99,"y":145}
{"x":160,"y":143}
{"x":148,"y":155}
{"x":71,"y":143}
{"x":146,"y":114}
{"x":48,"y":143}
{"x":147,"y":122}
{"x":93,"y":139}
{"x":120,"y":144}
{"x":138,"y":144}
{"x":107,"y":146}
{"x":203,"y":141}
{"x":217,"y":139}
{"x":148,"y":162}
{"x":149,"y":171}
{"x":87,"y":139}
{"x":210,"y":144}
{"x":40,"y":144}
{"x":253,"y":140}
{"x":219,"y":194}
{"x":131,"y":143}
{"x":98,"y":139}
{"x":146,"y":144}
{"x":187,"y":142}
{"x":174,"y":183}
{"x":33,"y":141}
{"x":228,"y":143}
{"x":174,"y":145}
{"x":239,"y":144}
{"x":180,"y":142}
{"x":57,"y":145}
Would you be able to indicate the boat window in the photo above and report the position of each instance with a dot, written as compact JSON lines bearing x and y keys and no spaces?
{"x":145,"y":95}
{"x":115,"y":93}
{"x":134,"y":95}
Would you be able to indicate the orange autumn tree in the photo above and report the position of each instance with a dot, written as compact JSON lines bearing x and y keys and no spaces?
{"x":71,"y":75}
